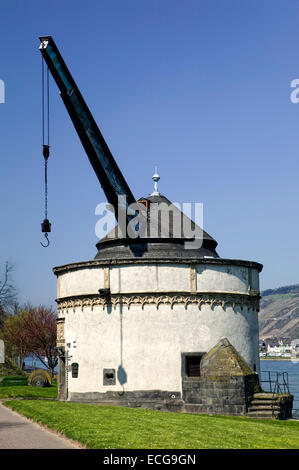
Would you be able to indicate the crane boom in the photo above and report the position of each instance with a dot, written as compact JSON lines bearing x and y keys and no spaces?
{"x":97,"y":150}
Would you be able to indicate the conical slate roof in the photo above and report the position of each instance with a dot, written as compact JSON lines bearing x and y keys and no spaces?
{"x":179,"y":219}
{"x":167,"y":234}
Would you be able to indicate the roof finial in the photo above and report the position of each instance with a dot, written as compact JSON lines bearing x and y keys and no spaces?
{"x":155,"y":178}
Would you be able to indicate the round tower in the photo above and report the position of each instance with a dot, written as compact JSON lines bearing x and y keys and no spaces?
{"x":136,"y":321}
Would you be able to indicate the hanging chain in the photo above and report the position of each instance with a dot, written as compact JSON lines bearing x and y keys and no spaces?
{"x":46,"y":226}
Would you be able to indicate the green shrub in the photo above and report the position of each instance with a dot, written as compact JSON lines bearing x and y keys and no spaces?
{"x":13,"y":380}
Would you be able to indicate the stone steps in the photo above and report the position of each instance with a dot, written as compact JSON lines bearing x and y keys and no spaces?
{"x":261,"y":402}
{"x":261,"y":414}
{"x":263,"y":406}
{"x":263,"y":396}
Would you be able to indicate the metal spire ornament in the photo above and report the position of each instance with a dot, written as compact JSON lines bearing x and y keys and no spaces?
{"x":155,"y":178}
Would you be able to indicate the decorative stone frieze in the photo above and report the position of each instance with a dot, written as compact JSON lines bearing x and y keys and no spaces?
{"x":250,"y":300}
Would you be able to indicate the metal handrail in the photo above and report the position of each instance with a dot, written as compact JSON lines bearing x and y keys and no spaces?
{"x":279,"y":386}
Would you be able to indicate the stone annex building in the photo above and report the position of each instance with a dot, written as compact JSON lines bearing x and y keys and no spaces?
{"x":150,"y":323}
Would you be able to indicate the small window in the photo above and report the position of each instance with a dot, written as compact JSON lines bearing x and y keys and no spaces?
{"x":75,"y":369}
{"x":109,"y":377}
{"x":191,"y":364}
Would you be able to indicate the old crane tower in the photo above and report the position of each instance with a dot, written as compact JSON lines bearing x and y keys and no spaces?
{"x":149,"y":322}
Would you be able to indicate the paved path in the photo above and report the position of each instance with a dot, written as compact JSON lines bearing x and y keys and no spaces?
{"x":17,"y":432}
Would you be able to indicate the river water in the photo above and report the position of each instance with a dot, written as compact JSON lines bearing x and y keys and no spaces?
{"x":34,"y":363}
{"x":291,"y":367}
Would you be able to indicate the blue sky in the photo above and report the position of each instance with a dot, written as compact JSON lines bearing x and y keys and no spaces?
{"x":199,"y":88}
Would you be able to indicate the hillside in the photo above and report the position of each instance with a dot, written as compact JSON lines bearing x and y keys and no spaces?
{"x":279,"y":314}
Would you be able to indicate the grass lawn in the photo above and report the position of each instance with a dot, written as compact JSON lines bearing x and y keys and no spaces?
{"x":114,"y":427}
{"x":14,"y":386}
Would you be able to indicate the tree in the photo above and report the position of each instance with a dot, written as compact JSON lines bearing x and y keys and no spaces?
{"x":7,"y":292}
{"x":32,"y":331}
{"x":40,"y":332}
{"x":15,"y":336}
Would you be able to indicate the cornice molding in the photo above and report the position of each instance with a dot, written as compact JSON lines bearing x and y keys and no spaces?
{"x":173,"y":261}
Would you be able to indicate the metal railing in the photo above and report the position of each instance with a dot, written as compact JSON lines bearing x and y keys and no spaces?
{"x":278,"y":384}
{"x":278,"y":381}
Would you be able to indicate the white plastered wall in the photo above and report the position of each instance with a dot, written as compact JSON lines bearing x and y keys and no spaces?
{"x":147,"y":342}
{"x":158,"y":278}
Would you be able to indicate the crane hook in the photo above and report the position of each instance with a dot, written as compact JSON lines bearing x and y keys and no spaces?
{"x":48,"y":241}
{"x":46,"y":227}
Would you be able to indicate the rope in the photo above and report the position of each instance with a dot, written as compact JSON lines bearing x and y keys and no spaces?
{"x":46,"y":188}
{"x":43,"y":105}
{"x":48,"y":106}
{"x":43,"y":102}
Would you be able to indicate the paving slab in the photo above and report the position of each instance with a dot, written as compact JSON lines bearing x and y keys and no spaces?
{"x":18,"y":432}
